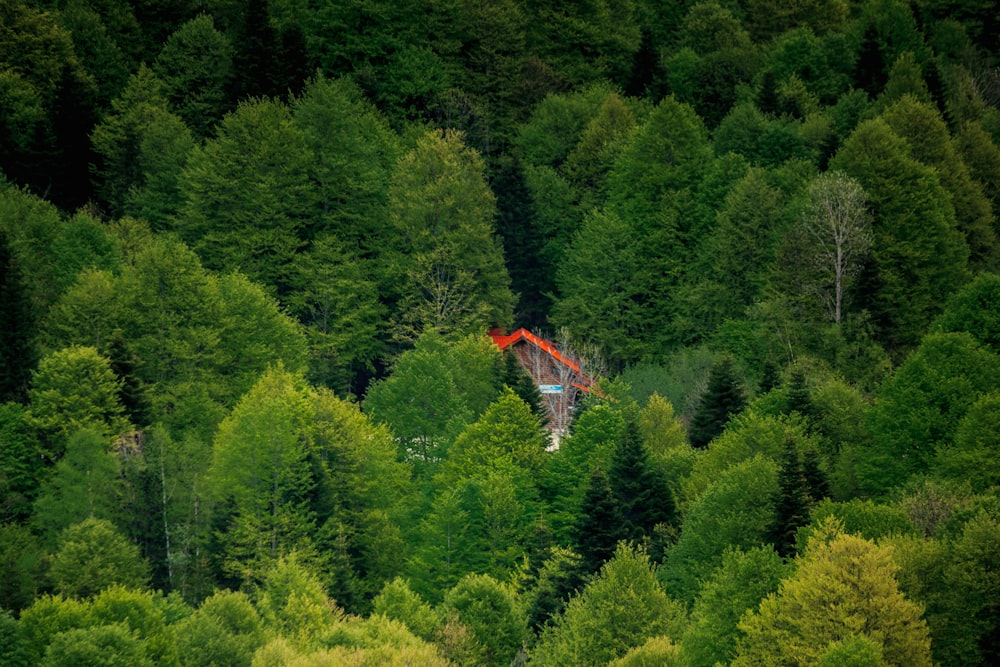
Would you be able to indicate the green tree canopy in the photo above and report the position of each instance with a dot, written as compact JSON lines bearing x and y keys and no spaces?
{"x":451,"y":264}
{"x":617,"y":611}
{"x":844,"y":586}
{"x":93,"y":555}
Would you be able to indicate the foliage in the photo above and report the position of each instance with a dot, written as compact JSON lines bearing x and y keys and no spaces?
{"x":936,"y":384}
{"x":222,"y":222}
{"x":734,"y":512}
{"x":617,"y":611}
{"x":723,"y":399}
{"x":91,"y":556}
{"x":741,"y":581}
{"x":844,"y":586}
{"x":75,"y":388}
{"x":493,"y":616}
{"x":441,"y":209}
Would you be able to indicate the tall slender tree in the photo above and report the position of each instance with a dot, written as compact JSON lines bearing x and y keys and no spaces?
{"x":601,"y":524}
{"x":639,"y":488}
{"x":723,"y":398}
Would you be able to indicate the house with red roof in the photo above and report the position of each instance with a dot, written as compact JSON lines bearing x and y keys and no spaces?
{"x":557,"y":374}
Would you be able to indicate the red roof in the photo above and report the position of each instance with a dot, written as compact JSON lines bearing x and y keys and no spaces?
{"x":503,"y":341}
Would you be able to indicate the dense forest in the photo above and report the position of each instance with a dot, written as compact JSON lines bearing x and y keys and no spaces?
{"x":250,"y":251}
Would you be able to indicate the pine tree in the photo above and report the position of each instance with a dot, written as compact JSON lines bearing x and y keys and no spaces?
{"x":601,"y":524}
{"x":640,"y":490}
{"x":515,"y":377}
{"x":798,"y":394}
{"x":791,"y":507}
{"x":15,"y":327}
{"x":817,"y":484}
{"x":722,"y":399}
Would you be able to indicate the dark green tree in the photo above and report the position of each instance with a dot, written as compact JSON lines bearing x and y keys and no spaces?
{"x":640,"y":489}
{"x":798,"y":394}
{"x":791,"y":505}
{"x":21,"y":561}
{"x":918,"y":256}
{"x":600,"y":525}
{"x":517,"y":378}
{"x":817,"y":481}
{"x":723,"y":398}
{"x":249,"y":198}
{"x":925,"y":131}
{"x":195,"y":65}
{"x":256,"y":70}
{"x":17,"y":327}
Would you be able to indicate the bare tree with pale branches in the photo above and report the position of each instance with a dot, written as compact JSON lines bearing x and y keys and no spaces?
{"x":838,"y":222}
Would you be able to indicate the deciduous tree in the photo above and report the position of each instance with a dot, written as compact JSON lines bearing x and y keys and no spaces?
{"x":452,"y":271}
{"x":844,"y":586}
{"x":837,"y":224}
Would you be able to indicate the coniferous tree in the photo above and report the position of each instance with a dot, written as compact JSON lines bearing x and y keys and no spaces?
{"x":722,"y":399}
{"x":817,"y":484}
{"x":791,"y":507}
{"x":15,"y":327}
{"x":256,"y":71}
{"x":515,"y":377}
{"x":640,"y":490}
{"x":798,"y":394}
{"x":132,"y":393}
{"x":601,"y":524}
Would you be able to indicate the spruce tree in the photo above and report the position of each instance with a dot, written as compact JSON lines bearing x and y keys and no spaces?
{"x":817,"y":484}
{"x":15,"y":327}
{"x":601,"y":524}
{"x":515,"y":377}
{"x":798,"y":394}
{"x":722,"y":399}
{"x":791,"y":507}
{"x":640,"y":490}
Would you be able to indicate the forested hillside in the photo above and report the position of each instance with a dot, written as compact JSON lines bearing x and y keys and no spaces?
{"x":250,"y":252}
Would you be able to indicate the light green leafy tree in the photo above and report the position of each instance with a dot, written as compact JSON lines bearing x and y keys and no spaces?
{"x":142,"y":147}
{"x":399,"y":602}
{"x":93,"y":555}
{"x":450,"y":263}
{"x":919,"y":408}
{"x":225,"y":630}
{"x":294,"y":604}
{"x":362,"y":495}
{"x":972,"y":455}
{"x":260,"y":475}
{"x":616,"y":612}
{"x":75,"y":388}
{"x":97,"y":646}
{"x":493,"y":615}
{"x":844,"y":587}
{"x":86,"y":483}
{"x":739,"y":584}
{"x":427,"y":398}
{"x":734,"y":512}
